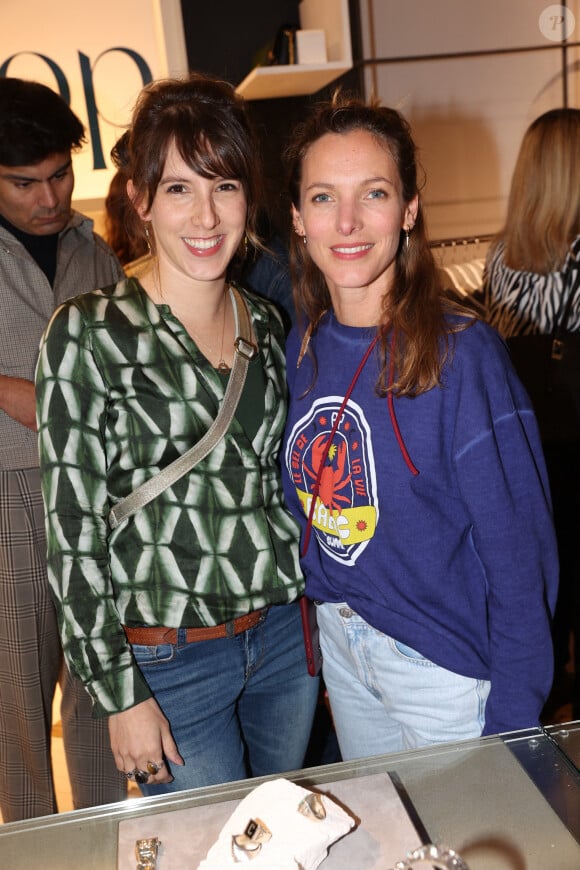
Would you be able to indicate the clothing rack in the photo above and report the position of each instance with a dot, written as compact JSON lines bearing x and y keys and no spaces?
{"x":466,"y":240}
{"x":459,"y":251}
{"x":463,"y":260}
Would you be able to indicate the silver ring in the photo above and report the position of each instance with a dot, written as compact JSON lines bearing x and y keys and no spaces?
{"x":441,"y":857}
{"x":244,"y":849}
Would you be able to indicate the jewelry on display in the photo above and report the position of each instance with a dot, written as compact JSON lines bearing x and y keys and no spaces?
{"x":243,"y":849}
{"x":439,"y":857}
{"x":146,"y":852}
{"x":247,"y":846}
{"x":155,"y":766}
{"x":312,"y":807}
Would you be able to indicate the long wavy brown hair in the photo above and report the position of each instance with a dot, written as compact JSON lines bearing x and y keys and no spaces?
{"x":543,"y":212}
{"x":415,"y":310}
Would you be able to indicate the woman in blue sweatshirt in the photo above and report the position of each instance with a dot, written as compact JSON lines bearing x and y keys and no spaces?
{"x":412,"y":460}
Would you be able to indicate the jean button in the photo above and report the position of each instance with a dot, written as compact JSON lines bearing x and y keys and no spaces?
{"x":346,"y":612}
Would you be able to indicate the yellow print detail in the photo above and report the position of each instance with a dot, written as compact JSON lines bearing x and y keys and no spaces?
{"x":349,"y":525}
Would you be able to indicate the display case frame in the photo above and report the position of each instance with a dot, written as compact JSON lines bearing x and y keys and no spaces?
{"x":503,"y":802}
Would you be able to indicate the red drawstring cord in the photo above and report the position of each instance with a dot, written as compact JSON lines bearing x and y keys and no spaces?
{"x":391,"y":404}
{"x":395,"y":425}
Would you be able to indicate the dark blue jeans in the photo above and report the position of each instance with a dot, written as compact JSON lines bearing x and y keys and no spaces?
{"x":238,"y":707}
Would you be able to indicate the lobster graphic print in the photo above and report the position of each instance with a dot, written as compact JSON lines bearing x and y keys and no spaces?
{"x":346,"y":511}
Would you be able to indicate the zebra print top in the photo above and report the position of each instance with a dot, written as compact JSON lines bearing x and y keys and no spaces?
{"x":524,"y":303}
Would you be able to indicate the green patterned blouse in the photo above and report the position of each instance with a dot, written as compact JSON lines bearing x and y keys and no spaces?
{"x":122,"y":390}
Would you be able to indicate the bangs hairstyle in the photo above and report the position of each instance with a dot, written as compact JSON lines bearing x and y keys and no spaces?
{"x":543,"y":213}
{"x":209,"y":125}
{"x":414,"y":309}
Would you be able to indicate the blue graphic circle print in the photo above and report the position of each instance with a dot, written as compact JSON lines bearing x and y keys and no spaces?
{"x":346,"y":511}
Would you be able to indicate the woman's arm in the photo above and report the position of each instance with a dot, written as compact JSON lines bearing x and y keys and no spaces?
{"x":72,"y":407}
{"x":503,"y":481}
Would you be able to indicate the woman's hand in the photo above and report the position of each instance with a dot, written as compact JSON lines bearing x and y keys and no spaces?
{"x":141,"y":736}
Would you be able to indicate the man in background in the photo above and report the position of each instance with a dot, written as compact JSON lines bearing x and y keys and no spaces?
{"x":47,"y":253}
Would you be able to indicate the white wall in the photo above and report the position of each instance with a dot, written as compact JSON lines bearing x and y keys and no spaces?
{"x":468,"y":115}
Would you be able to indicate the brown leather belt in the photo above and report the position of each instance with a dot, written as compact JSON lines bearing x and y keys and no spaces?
{"x":157,"y":635}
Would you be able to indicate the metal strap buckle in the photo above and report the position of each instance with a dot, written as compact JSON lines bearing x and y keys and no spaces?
{"x":245,"y":348}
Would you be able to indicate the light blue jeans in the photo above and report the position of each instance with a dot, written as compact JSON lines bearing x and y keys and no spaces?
{"x":238,"y":707}
{"x":385,"y":697}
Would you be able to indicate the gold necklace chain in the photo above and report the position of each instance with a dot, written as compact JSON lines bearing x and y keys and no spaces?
{"x":222,"y":366}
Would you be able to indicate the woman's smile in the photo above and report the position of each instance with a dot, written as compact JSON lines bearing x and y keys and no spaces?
{"x":204,"y":247}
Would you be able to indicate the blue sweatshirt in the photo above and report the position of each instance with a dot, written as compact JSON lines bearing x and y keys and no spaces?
{"x":450,"y":551}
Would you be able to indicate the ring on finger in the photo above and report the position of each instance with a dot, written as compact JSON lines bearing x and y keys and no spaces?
{"x":140,"y":776}
{"x":155,"y":766}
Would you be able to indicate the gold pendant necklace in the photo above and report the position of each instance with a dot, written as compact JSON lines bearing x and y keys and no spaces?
{"x":222,"y":367}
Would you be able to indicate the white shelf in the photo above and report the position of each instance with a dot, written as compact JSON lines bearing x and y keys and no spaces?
{"x":271,"y":82}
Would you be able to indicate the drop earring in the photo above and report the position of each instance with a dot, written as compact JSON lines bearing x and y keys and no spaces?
{"x":147,"y":236}
{"x":304,"y":239}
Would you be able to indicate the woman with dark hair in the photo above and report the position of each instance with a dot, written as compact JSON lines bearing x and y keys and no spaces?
{"x":182,"y":619}
{"x":529,"y":278}
{"x":411,"y":459}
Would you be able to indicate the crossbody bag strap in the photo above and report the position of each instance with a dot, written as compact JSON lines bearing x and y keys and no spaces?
{"x":245,"y":351}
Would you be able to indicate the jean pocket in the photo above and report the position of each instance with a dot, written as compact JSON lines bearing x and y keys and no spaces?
{"x":147,"y":656}
{"x":408,"y":652}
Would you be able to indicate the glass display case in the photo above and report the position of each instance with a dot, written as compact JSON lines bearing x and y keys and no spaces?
{"x":510,"y":802}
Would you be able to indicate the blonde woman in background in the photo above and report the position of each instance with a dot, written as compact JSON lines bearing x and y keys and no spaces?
{"x":528,"y":279}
